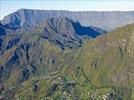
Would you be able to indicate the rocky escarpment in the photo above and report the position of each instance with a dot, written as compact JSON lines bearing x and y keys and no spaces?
{"x":104,"y":20}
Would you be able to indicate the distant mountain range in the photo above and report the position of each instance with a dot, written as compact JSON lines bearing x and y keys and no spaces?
{"x":107,"y":20}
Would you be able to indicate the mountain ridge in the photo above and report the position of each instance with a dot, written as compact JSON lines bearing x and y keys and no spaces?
{"x":59,"y":30}
{"x":28,"y":17}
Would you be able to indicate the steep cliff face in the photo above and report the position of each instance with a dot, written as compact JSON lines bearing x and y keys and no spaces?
{"x":104,"y":20}
{"x":2,"y":30}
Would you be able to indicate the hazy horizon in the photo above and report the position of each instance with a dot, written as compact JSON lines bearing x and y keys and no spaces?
{"x":10,"y":6}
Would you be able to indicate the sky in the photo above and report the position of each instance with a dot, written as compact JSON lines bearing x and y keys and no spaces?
{"x":9,"y":6}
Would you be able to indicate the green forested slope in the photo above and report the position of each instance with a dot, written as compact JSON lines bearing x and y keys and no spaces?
{"x":35,"y":68}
